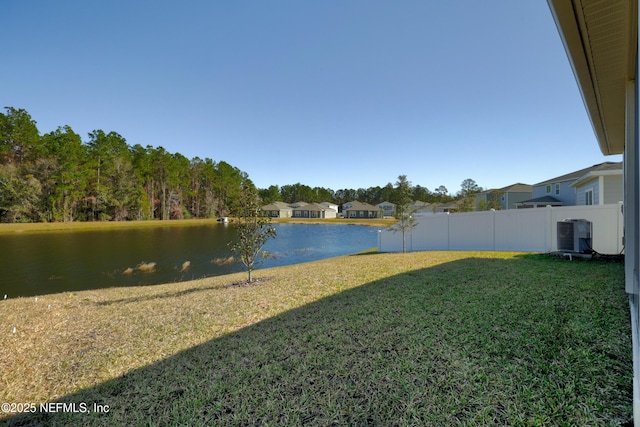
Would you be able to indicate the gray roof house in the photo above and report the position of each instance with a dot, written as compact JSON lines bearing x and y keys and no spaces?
{"x":420,"y":207}
{"x":313,"y":210}
{"x":506,"y":197}
{"x":278,"y":210}
{"x":601,"y":186}
{"x":388,"y":208}
{"x":560,"y":191}
{"x":357,"y":209}
{"x":450,"y":207}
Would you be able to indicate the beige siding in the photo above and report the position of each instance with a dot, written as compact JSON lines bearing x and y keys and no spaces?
{"x":612,"y":189}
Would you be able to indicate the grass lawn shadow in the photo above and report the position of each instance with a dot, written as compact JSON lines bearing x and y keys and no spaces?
{"x":476,"y":341}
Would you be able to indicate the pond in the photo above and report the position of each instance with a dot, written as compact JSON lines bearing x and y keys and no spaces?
{"x":45,"y":263}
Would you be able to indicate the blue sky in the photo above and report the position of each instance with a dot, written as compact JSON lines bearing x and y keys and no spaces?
{"x":332,"y":93}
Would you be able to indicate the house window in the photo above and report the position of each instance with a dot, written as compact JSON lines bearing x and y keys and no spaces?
{"x":548,"y":189}
{"x":557,"y":188}
{"x":588,"y":197}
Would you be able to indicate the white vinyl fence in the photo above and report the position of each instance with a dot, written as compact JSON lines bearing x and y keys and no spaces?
{"x":518,"y":230}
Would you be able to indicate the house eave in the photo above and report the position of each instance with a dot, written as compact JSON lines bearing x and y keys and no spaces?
{"x":601,"y":63}
{"x":594,"y":175}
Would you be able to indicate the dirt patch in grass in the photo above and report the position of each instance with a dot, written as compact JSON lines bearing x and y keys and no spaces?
{"x":253,"y":282}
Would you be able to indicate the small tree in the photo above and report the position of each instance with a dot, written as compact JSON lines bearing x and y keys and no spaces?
{"x":491,"y":202}
{"x":404,"y":211}
{"x":254,"y":229}
{"x":467,"y":194}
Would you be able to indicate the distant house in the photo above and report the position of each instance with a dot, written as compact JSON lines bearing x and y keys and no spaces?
{"x":346,"y":206}
{"x":330,"y":205}
{"x":278,"y":210}
{"x":357,"y":209}
{"x":450,"y":207}
{"x":540,"y":202}
{"x":313,"y":210}
{"x":388,"y":208}
{"x":420,"y":207}
{"x":561,"y":191}
{"x":504,"y":198}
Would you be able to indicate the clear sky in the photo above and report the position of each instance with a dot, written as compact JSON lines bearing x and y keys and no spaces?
{"x":332,"y":93}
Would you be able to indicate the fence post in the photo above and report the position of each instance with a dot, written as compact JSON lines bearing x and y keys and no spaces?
{"x":493,"y":230}
{"x":620,"y":213}
{"x":448,"y":232}
{"x":549,"y":230}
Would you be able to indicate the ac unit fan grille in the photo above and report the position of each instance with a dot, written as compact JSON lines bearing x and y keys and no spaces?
{"x":574,"y":235}
{"x":565,"y":236}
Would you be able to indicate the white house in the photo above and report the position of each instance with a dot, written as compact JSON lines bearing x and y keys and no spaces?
{"x":330,"y":205}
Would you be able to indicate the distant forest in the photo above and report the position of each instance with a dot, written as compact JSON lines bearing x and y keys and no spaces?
{"x":372,"y":195}
{"x":58,"y":177}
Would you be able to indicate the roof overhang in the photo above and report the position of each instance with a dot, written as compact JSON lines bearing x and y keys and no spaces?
{"x":600,"y":38}
{"x":594,"y":175}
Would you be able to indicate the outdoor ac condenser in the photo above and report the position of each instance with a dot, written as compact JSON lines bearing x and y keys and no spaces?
{"x":574,"y":235}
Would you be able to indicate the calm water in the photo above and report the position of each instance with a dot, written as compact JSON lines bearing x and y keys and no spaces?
{"x":43,"y":263}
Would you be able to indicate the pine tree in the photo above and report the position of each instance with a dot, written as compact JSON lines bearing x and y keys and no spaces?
{"x":253,"y":228}
{"x":404,"y":212}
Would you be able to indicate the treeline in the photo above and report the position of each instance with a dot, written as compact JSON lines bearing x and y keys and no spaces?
{"x":372,"y":195}
{"x":58,"y":177}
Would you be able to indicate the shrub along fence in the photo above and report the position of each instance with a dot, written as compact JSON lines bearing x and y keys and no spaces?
{"x":521,"y":230}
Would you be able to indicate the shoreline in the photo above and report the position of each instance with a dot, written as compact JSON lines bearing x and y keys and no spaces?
{"x":37,"y":227}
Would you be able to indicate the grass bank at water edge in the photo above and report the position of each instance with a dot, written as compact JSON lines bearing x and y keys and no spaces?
{"x":36,"y":227}
{"x":430,"y":338}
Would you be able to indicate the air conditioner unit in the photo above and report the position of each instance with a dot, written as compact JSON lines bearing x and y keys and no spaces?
{"x":574,"y":235}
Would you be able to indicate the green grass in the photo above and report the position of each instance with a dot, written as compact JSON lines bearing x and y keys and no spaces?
{"x":431,"y":338}
{"x":371,"y":222}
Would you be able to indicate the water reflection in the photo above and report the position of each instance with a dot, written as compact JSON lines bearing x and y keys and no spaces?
{"x":41,"y":263}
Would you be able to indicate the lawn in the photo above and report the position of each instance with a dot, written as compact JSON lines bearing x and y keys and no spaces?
{"x":429,"y":338}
